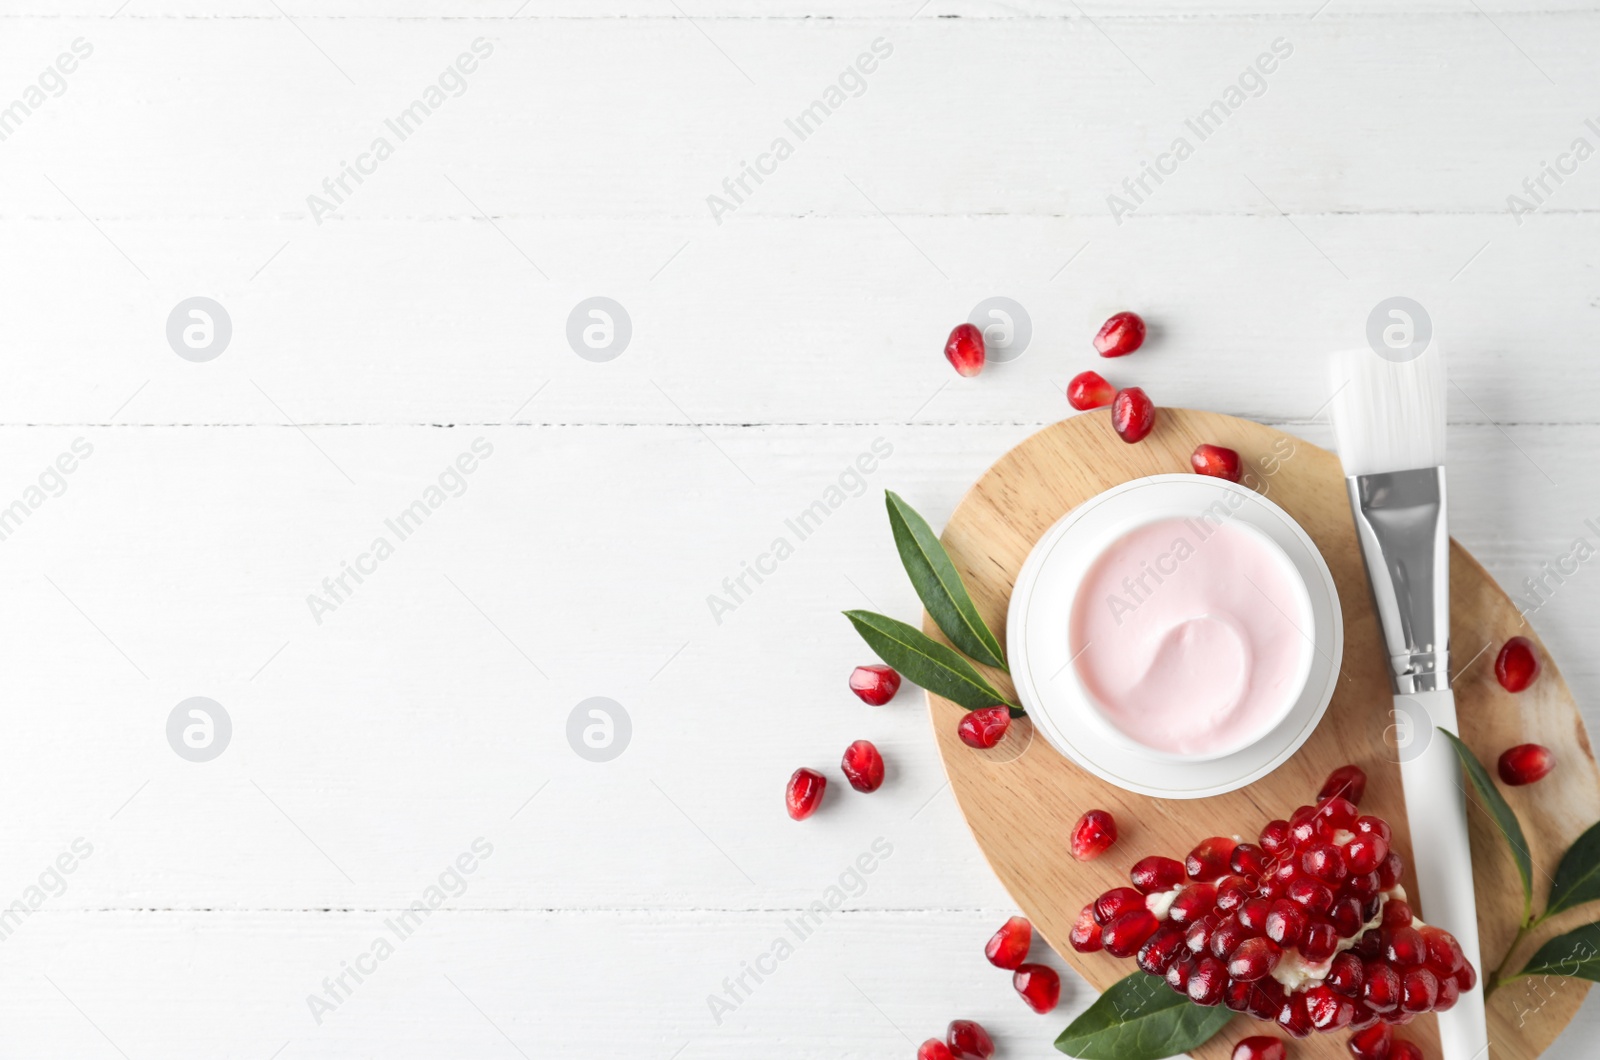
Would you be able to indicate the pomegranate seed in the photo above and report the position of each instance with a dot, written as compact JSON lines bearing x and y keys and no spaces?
{"x":1232,"y":892}
{"x":1085,"y":934}
{"x":1227,"y":938}
{"x":1236,"y":995}
{"x":1320,"y":941}
{"x":1381,"y":991}
{"x":863,"y":766}
{"x":1254,"y":959}
{"x":1397,"y":914}
{"x":1348,"y":782}
{"x":1286,"y":923}
{"x":1374,"y":1043}
{"x":1162,"y":948}
{"x":1124,"y":935}
{"x":1252,"y":915}
{"x":1156,"y":874}
{"x":1449,"y":994}
{"x":1008,"y":947}
{"x":1329,"y":1011}
{"x":1389,"y":872}
{"x":1525,"y":764}
{"x":1406,"y":948}
{"x":1324,"y":861}
{"x":1517,"y":664}
{"x":964,"y":349}
{"x":933,"y":1049}
{"x":969,"y":1041}
{"x":1193,"y":902}
{"x":984,"y":728}
{"x":1089,"y":390}
{"x":1260,"y":1048}
{"x":1313,"y":895}
{"x":1132,"y":414}
{"x":804,"y":793}
{"x":874,"y":685}
{"x":1115,"y":903}
{"x":1207,"y":982}
{"x":1215,"y":461}
{"x":1039,"y":986}
{"x":1346,"y":976}
{"x":1211,"y":859}
{"x":1275,"y":837}
{"x":1093,"y":835}
{"x":1365,"y":853}
{"x":1120,"y":335}
{"x":1295,"y":1017}
{"x":1248,"y":860}
{"x":1419,"y":989}
{"x":1405,"y":1051}
{"x":1444,"y":952}
{"x":1334,"y":815}
{"x":1199,"y":937}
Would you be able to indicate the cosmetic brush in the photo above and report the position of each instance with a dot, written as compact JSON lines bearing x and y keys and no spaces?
{"x":1389,"y":422}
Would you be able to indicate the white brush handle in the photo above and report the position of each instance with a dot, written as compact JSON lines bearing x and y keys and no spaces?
{"x":1437,"y":808}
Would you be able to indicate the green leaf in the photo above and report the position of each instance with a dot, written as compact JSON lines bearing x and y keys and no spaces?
{"x":1578,"y":875}
{"x":1141,"y":1018}
{"x":1502,"y":814}
{"x":940,"y":587}
{"x":1575,"y":954}
{"x":927,"y":662}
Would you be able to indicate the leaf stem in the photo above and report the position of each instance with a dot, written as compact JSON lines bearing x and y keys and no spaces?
{"x":1498,"y":977}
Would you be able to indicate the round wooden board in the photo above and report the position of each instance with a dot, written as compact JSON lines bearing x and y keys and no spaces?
{"x":1022,"y":798}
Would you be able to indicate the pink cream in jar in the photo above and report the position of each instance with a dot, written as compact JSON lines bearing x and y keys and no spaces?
{"x":1191,"y":636}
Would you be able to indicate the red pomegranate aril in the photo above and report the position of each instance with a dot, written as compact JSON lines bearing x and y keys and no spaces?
{"x":1232,"y":892}
{"x":1178,"y":973}
{"x":1207,"y":982}
{"x":1365,"y":1017}
{"x":1374,"y":1043}
{"x":1008,"y":947}
{"x":985,"y":727}
{"x":1216,"y":461}
{"x":1295,"y":1017}
{"x":1193,"y":902}
{"x":1467,"y":978}
{"x":1266,"y":999}
{"x":1259,"y":1048}
{"x":1115,"y":902}
{"x":1227,"y":938}
{"x":1321,"y":940}
{"x":1248,"y":860}
{"x":1419,"y":989}
{"x":1085,"y":934}
{"x":1406,"y":948}
{"x":1346,"y":917}
{"x":1286,"y":923}
{"x":1444,"y":952}
{"x":1210,"y":859}
{"x":1368,"y":826}
{"x":1517,"y":664}
{"x":1132,"y":414}
{"x":933,"y":1049}
{"x":1526,"y":764}
{"x":1254,"y":959}
{"x":1199,"y":937}
{"x":1449,"y":994}
{"x":1389,"y":872}
{"x":1313,"y":896}
{"x":1162,"y":948}
{"x":1397,"y":914}
{"x":1120,"y":335}
{"x":1236,"y":995}
{"x":1253,"y":915}
{"x":1329,"y":1011}
{"x":1093,"y":835}
{"x":1156,"y":873}
{"x":1089,"y":390}
{"x":1275,"y":838}
{"x":1039,"y":986}
{"x":964,"y":349}
{"x":804,"y":793}
{"x":863,"y":766}
{"x":1324,"y":861}
{"x":1336,"y":814}
{"x":1365,"y":853}
{"x":1381,"y":991}
{"x":968,"y":1040}
{"x":874,"y":685}
{"x":1346,"y":976}
{"x":1405,"y":1051}
{"x":1348,"y":782}
{"x":1124,"y":935}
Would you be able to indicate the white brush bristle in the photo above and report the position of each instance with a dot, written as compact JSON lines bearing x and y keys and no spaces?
{"x":1388,"y":415}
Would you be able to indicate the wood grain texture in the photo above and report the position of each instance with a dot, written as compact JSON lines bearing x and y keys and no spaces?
{"x":1022,"y":798}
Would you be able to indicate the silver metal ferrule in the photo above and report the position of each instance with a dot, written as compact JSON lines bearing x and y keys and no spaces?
{"x":1405,"y":541}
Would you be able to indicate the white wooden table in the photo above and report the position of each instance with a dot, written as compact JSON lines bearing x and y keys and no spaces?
{"x":378,"y":335}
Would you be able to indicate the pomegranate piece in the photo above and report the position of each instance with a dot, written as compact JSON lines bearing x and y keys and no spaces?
{"x":874,"y":685}
{"x":1089,"y":390}
{"x":1115,"y":903}
{"x":1260,"y":1048}
{"x":1381,"y":991}
{"x":1405,"y":1051}
{"x":1120,"y":335}
{"x":1347,"y":975}
{"x":933,"y":1049}
{"x":1162,"y":949}
{"x":1526,"y":764}
{"x":1211,"y":860}
{"x":1329,"y":1011}
{"x":863,"y":766}
{"x":1124,"y":935}
{"x":1039,"y":986}
{"x":1295,"y":1016}
{"x":1008,"y":947}
{"x":1347,"y":782}
{"x":984,"y":728}
{"x":1193,"y":902}
{"x":964,"y":350}
{"x":1093,"y":835}
{"x":804,"y":793}
{"x":1132,"y":414}
{"x":1085,"y":934}
{"x":1254,"y":959}
{"x":1156,"y":874}
{"x":1517,"y":664}
{"x":1207,"y":982}
{"x":1216,"y":461}
{"x":968,"y":1040}
{"x":1374,"y":1043}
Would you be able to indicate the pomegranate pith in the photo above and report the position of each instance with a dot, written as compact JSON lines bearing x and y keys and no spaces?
{"x":1120,"y":335}
{"x":1216,"y":461}
{"x":984,"y":728}
{"x":1517,"y":664}
{"x":1008,"y":947}
{"x":964,"y":349}
{"x":874,"y":685}
{"x":933,"y":1049}
{"x":1132,"y":414}
{"x":1093,"y":835}
{"x":804,"y":793}
{"x":1039,"y":986}
{"x":1260,"y":1048}
{"x":1525,"y":764}
{"x":968,"y":1040}
{"x":1089,"y":390}
{"x":863,"y":766}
